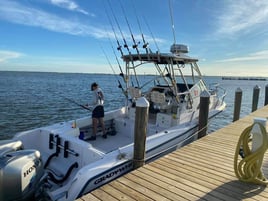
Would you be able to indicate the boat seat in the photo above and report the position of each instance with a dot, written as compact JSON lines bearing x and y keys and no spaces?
{"x":157,"y":97}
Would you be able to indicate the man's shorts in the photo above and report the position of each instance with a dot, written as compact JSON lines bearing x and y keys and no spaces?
{"x":98,"y":112}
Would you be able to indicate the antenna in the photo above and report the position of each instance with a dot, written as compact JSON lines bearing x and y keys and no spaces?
{"x":172,"y":21}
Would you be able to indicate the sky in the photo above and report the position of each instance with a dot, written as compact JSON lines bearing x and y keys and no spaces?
{"x":81,"y":36}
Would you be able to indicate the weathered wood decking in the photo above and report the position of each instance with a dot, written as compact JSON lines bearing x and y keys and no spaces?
{"x":202,"y":170}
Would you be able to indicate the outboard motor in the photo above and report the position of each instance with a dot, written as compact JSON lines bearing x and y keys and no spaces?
{"x":20,"y":173}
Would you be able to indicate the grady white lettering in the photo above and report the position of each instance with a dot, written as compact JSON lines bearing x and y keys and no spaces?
{"x":114,"y":173}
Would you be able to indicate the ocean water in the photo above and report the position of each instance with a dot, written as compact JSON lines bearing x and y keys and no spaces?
{"x":33,"y":99}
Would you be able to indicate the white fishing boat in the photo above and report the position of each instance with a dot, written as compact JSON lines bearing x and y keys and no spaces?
{"x":58,"y":163}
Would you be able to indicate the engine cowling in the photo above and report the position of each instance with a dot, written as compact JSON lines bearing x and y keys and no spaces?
{"x":9,"y":146}
{"x":20,"y":173}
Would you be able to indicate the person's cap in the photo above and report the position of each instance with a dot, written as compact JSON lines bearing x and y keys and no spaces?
{"x":94,"y":84}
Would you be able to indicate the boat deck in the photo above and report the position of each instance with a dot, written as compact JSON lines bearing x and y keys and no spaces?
{"x":124,"y":135}
{"x":202,"y":170}
{"x":111,"y":143}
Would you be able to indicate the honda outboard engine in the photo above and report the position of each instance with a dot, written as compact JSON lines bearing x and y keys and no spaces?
{"x":20,"y":173}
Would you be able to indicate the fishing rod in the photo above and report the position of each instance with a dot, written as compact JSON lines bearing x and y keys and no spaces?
{"x":125,"y":43}
{"x":135,"y":46}
{"x":158,"y":50}
{"x":121,"y":71}
{"x":145,"y":44}
{"x":117,"y":60}
{"x":116,"y":21}
{"x":119,"y":47}
{"x":70,"y":100}
{"x":120,"y":85}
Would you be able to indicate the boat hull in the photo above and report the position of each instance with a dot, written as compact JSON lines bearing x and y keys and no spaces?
{"x":89,"y":165}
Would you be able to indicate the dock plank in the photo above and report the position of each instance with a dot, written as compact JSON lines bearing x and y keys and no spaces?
{"x":102,"y":195}
{"x":202,"y":170}
{"x":114,"y":192}
{"x":182,"y":178}
{"x":129,"y":191}
{"x":170,"y":188}
{"x":88,"y":197}
{"x":141,"y":188}
{"x":208,"y":181}
{"x":178,"y":188}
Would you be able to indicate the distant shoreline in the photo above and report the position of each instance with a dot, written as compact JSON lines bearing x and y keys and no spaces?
{"x":245,"y":78}
{"x":146,"y":74}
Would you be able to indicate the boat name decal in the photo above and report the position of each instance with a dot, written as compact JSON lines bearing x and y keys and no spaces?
{"x":114,"y":173}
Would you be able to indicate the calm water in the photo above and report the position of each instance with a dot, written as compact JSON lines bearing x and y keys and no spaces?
{"x":31,"y":100}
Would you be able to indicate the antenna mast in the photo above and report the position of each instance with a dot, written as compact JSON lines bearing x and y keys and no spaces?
{"x":172,"y":21}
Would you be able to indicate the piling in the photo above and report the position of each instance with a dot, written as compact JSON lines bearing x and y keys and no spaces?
{"x":255,"y":98}
{"x":141,"y":120}
{"x":203,"y":113}
{"x":237,"y":104}
{"x":266,"y":95}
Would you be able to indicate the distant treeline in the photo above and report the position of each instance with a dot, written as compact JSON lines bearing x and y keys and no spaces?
{"x":244,"y":78}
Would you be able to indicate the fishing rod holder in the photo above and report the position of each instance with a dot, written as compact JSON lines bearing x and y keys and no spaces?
{"x":68,"y":151}
{"x":57,"y":143}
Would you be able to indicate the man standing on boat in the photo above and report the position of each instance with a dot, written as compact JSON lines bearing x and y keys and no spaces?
{"x":98,"y":110}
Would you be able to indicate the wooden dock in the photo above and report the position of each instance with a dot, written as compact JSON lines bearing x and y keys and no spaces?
{"x":202,"y":170}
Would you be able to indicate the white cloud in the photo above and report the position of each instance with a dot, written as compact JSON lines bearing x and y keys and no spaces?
{"x":256,"y":56}
{"x":20,"y":14}
{"x":241,"y":16}
{"x":70,"y":5}
{"x":7,"y":55}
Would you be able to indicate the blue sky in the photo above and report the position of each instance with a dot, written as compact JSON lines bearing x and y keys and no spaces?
{"x":228,"y":37}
